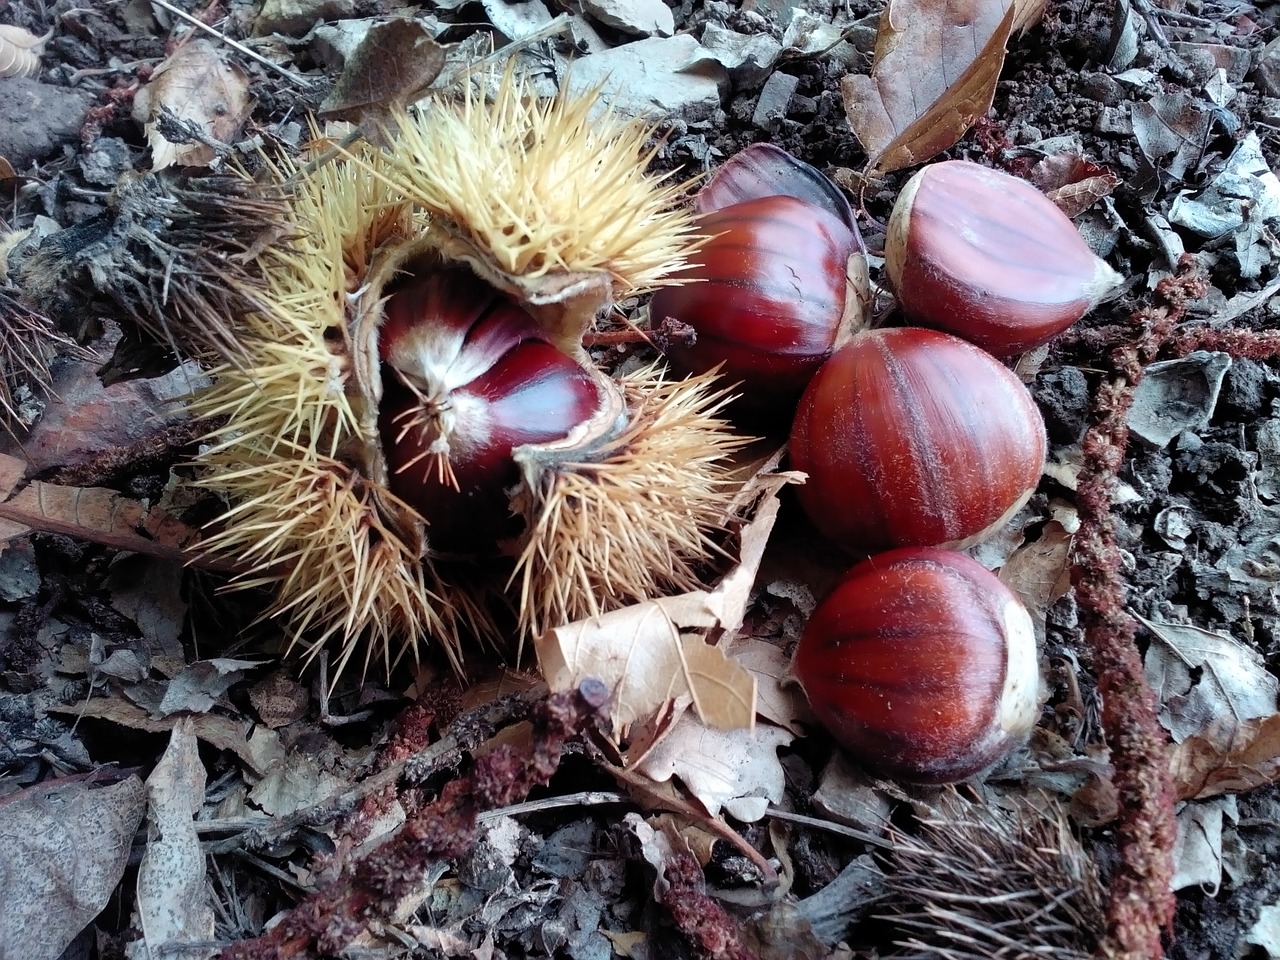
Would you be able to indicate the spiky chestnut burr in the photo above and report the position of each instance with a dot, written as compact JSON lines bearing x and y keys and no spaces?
{"x":550,"y":210}
{"x":975,"y":881}
{"x":626,"y":512}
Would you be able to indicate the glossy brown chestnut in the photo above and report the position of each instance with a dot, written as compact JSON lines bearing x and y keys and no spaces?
{"x":988,"y":257}
{"x":764,"y":170}
{"x":923,"y":665}
{"x":766,"y":300}
{"x":912,"y":437}
{"x":467,"y":377}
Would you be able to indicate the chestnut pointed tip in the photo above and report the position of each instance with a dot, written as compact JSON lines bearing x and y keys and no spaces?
{"x":1023,"y":690}
{"x":1103,"y":285}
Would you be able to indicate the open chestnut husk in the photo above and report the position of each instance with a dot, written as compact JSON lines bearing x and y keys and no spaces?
{"x":923,"y":665}
{"x":411,"y":439}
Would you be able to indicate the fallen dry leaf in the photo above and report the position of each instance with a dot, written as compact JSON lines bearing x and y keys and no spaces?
{"x":734,"y":770}
{"x":1073,"y":183}
{"x":701,"y":842}
{"x":393,"y":66}
{"x":200,"y":685}
{"x":174,"y":907}
{"x":260,"y":753}
{"x":100,"y":515}
{"x":12,"y":471}
{"x":1039,"y":574}
{"x":934,"y":73}
{"x":1227,"y":758}
{"x":1172,"y":129}
{"x":279,"y":699}
{"x":64,"y":845}
{"x":626,"y":943}
{"x":97,"y":514}
{"x":197,"y":86}
{"x":20,"y":51}
{"x":783,"y":704}
{"x":653,"y":652}
{"x":1197,"y":852}
{"x":1204,"y":679}
{"x":290,"y":786}
{"x":640,"y":653}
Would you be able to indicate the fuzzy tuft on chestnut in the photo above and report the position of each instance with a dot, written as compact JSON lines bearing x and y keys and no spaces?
{"x":923,"y":665}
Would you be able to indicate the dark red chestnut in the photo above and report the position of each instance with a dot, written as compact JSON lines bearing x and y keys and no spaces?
{"x":988,"y":257}
{"x":763,"y":170}
{"x":923,"y":665}
{"x":912,"y":437}
{"x":467,"y":377}
{"x":766,"y":298}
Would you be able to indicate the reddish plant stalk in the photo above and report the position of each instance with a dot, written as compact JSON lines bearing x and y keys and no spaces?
{"x":369,"y":889}
{"x":711,"y":932}
{"x":1141,"y":902}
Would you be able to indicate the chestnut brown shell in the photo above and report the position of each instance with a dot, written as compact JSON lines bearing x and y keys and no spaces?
{"x":468,"y":376}
{"x":912,"y":437}
{"x":922,"y":664}
{"x":766,"y":297}
{"x":988,"y":257}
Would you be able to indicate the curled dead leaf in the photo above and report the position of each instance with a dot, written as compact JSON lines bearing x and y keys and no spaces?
{"x":20,"y":51}
{"x":1073,"y":182}
{"x":1228,"y":758}
{"x":654,"y":652}
{"x":1039,"y":573}
{"x":934,"y":73}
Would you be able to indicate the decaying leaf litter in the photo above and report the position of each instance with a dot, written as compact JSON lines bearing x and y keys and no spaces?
{"x":1154,"y":125}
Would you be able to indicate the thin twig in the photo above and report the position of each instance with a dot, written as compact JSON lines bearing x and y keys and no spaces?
{"x":200,"y":24}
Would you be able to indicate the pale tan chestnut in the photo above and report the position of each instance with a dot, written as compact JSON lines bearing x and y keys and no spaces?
{"x":988,"y":257}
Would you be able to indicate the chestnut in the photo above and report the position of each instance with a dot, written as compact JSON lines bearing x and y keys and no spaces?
{"x":988,"y":257}
{"x":765,"y":298}
{"x":467,"y":377}
{"x":923,"y":665}
{"x":913,"y":437}
{"x":764,"y":170}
